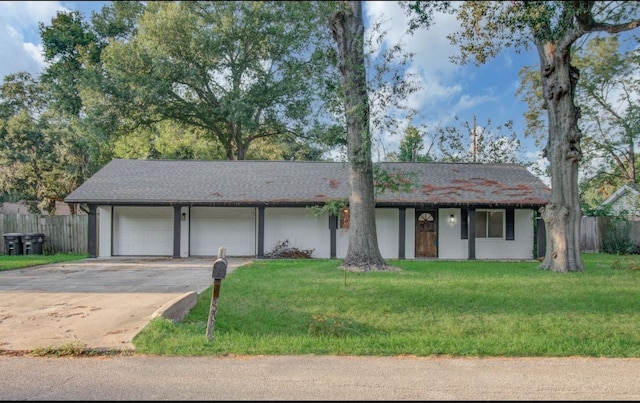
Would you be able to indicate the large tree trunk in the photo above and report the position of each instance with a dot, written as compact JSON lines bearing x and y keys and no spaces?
{"x":348,"y":31}
{"x":562,"y":215}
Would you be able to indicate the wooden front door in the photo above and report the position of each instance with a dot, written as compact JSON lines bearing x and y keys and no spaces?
{"x":426,"y":234}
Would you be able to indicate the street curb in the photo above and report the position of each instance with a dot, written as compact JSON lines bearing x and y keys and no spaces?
{"x":177,"y":308}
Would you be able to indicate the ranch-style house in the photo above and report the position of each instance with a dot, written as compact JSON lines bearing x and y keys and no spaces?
{"x":179,"y":208}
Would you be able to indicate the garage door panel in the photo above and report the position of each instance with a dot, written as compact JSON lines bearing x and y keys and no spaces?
{"x":143,"y":231}
{"x":231,"y":227}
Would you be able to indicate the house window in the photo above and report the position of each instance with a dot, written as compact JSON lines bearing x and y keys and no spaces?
{"x":489,"y":224}
{"x":344,"y":219}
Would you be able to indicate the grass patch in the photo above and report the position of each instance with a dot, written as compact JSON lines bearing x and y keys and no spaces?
{"x":12,"y":262}
{"x":453,"y":308}
{"x":73,"y":349}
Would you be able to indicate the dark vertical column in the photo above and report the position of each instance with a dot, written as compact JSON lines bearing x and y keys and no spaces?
{"x":333,"y":226}
{"x":260,"y":231}
{"x":510,"y":226}
{"x":472,"y":233}
{"x":402,"y":226}
{"x":464,"y":223}
{"x":541,"y":238}
{"x":92,"y":236}
{"x":176,"y":230}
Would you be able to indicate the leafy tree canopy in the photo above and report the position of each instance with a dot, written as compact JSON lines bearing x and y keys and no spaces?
{"x":239,"y":71}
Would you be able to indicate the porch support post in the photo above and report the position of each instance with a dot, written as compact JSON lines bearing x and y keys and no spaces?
{"x":176,"y":231}
{"x":541,"y":236}
{"x":260,"y":231}
{"x":402,"y":225}
{"x":472,"y":233}
{"x":333,"y":226}
{"x":92,"y":229}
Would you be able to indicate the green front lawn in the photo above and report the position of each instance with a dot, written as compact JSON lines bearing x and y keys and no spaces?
{"x":12,"y":262}
{"x":456,"y":308}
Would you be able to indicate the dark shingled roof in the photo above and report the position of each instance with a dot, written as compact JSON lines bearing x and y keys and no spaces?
{"x":292,"y":183}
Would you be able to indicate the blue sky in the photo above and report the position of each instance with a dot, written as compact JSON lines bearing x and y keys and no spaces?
{"x":486,"y":92}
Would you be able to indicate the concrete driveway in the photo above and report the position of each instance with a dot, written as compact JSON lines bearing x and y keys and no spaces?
{"x":102,"y":302}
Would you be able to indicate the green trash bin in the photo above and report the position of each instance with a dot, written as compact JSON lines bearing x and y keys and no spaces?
{"x":32,"y":243}
{"x":13,"y":243}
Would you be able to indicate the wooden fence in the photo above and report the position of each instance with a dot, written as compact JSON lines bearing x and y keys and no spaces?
{"x":63,"y":233}
{"x":590,"y":234}
{"x":594,"y":229}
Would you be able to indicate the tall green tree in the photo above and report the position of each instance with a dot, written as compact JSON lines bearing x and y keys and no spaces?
{"x":347,"y":27}
{"x":412,"y":148}
{"x":105,"y":100}
{"x":41,"y":156}
{"x":73,"y":47}
{"x":65,"y":43}
{"x":239,"y":71}
{"x":553,"y":28}
{"x":166,"y":140}
{"x":117,"y":20}
{"x":606,"y":96}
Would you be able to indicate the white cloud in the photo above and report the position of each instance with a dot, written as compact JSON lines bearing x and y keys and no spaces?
{"x":539,"y":166}
{"x":449,"y":90}
{"x":431,"y":47}
{"x":12,"y":53}
{"x":36,"y":53}
{"x":19,"y":35}
{"x":430,"y":66}
{"x":27,"y":14}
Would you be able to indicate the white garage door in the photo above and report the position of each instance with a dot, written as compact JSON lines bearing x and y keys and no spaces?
{"x":231,"y":227}
{"x":143,"y":231}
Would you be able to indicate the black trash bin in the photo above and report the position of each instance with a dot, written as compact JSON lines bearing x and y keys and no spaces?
{"x":32,"y":243}
{"x":13,"y":244}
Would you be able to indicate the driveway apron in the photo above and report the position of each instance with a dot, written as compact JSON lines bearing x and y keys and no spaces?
{"x":101,"y":303}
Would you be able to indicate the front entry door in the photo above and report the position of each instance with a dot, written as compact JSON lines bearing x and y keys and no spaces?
{"x":426,"y":234}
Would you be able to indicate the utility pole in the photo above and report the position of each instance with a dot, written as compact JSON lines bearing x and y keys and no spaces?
{"x":474,"y":138}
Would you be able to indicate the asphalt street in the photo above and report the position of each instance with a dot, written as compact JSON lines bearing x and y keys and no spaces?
{"x":318,"y":378}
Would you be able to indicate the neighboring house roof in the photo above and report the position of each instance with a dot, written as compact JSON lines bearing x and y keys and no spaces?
{"x":625,"y":198}
{"x":282,"y":183}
